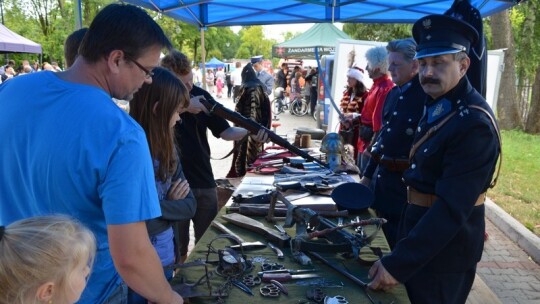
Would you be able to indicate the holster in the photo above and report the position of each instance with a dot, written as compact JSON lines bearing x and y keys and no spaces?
{"x":391,"y":164}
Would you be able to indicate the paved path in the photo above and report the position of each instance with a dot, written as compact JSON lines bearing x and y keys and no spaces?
{"x":512,"y":275}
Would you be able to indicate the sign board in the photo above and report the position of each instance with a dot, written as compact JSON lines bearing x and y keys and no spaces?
{"x":300,"y":52}
{"x":495,"y":68}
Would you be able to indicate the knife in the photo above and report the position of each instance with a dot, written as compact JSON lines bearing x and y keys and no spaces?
{"x":245,"y":245}
{"x":289,"y":271}
{"x":257,"y":227}
{"x":284,"y":277}
{"x":278,"y":251}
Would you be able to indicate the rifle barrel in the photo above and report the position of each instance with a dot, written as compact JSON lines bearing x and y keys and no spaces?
{"x":254,"y":127}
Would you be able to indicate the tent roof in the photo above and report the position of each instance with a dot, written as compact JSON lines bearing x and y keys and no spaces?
{"x":11,"y":42}
{"x":214,"y":63}
{"x":322,"y":34}
{"x":250,"y":12}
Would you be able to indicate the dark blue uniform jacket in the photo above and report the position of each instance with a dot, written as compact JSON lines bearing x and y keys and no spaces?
{"x":402,"y":111}
{"x":456,"y":164}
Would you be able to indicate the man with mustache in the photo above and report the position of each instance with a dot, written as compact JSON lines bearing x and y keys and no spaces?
{"x":402,"y":110}
{"x":452,"y":163}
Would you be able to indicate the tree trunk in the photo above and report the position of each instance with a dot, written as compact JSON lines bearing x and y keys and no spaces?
{"x":532,"y":125}
{"x":195,"y":48}
{"x":507,"y":105}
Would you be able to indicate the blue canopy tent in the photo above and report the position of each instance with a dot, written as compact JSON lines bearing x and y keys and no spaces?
{"x":260,"y":12}
{"x":204,"y":13}
{"x":214,"y":63}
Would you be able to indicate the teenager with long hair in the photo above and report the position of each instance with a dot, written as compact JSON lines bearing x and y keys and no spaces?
{"x":157,"y":108}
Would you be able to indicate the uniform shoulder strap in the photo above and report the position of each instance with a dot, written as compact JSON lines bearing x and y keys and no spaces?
{"x":428,"y":134}
{"x":494,"y":182}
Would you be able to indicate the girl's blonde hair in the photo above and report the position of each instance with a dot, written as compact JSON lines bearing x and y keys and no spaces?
{"x":42,"y":249}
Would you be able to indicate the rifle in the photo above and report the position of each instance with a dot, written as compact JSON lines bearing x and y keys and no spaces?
{"x":254,"y":127}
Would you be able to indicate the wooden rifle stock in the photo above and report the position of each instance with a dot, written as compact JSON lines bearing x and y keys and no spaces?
{"x":254,"y":127}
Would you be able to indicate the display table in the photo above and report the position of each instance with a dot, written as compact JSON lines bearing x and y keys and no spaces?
{"x":330,"y":281}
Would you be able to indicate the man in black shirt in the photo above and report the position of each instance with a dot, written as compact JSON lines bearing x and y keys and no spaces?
{"x":281,"y":77}
{"x":313,"y":79}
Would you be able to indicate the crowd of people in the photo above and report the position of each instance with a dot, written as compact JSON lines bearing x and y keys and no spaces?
{"x":11,"y":69}
{"x":97,"y":202}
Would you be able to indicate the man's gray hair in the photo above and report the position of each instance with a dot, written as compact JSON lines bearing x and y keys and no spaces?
{"x":406,"y":46}
{"x":377,"y":57}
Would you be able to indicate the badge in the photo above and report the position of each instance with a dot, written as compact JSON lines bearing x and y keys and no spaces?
{"x":439,"y":110}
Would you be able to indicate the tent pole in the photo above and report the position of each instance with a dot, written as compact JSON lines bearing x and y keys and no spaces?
{"x":2,"y":13}
{"x":203,"y":59}
{"x":77,"y":13}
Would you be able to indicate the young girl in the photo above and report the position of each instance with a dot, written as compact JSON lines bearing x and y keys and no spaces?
{"x":44,"y":259}
{"x":219,"y":86}
{"x":296,"y":86}
{"x":157,"y":108}
{"x":210,"y":81}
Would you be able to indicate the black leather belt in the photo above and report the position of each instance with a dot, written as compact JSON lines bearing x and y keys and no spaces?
{"x":392,"y":164}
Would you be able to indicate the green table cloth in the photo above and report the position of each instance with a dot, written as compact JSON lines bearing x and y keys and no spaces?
{"x":339,"y":284}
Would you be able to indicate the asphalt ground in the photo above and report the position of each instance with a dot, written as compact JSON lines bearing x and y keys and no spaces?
{"x":509,"y":264}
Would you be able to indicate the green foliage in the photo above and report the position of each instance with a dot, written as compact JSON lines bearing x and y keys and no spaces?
{"x":220,"y":42}
{"x":254,"y":43}
{"x":525,"y":20}
{"x":46,"y":22}
{"x":183,"y":36}
{"x":290,"y":35}
{"x":517,"y":190}
{"x":377,"y":31}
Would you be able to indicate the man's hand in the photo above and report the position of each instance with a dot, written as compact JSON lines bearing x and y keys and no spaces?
{"x":382,"y":279}
{"x":261,"y":136}
{"x":195,"y":105}
{"x":175,"y":299}
{"x":178,"y":190}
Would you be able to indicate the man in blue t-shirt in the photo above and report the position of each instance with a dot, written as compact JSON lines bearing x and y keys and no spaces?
{"x":67,"y":148}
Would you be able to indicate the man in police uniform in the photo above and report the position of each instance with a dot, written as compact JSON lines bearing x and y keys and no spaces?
{"x":451,"y":169}
{"x":402,"y":110}
{"x":263,"y":76}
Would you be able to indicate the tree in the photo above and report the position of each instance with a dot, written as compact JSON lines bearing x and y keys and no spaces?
{"x":290,"y":35}
{"x":47,"y":22}
{"x":528,"y":58}
{"x":254,"y":43}
{"x":532,"y":125}
{"x":184,"y":37}
{"x":377,"y":31}
{"x":507,"y":109}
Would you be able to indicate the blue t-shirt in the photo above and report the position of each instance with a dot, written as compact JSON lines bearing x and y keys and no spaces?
{"x":67,"y":148}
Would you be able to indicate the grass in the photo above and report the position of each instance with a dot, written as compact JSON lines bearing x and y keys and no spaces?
{"x":518,"y":187}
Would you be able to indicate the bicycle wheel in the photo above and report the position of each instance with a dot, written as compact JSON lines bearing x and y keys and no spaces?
{"x":276,"y":106}
{"x":299,"y":107}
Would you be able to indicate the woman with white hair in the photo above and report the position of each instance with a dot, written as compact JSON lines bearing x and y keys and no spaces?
{"x":371,"y":115}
